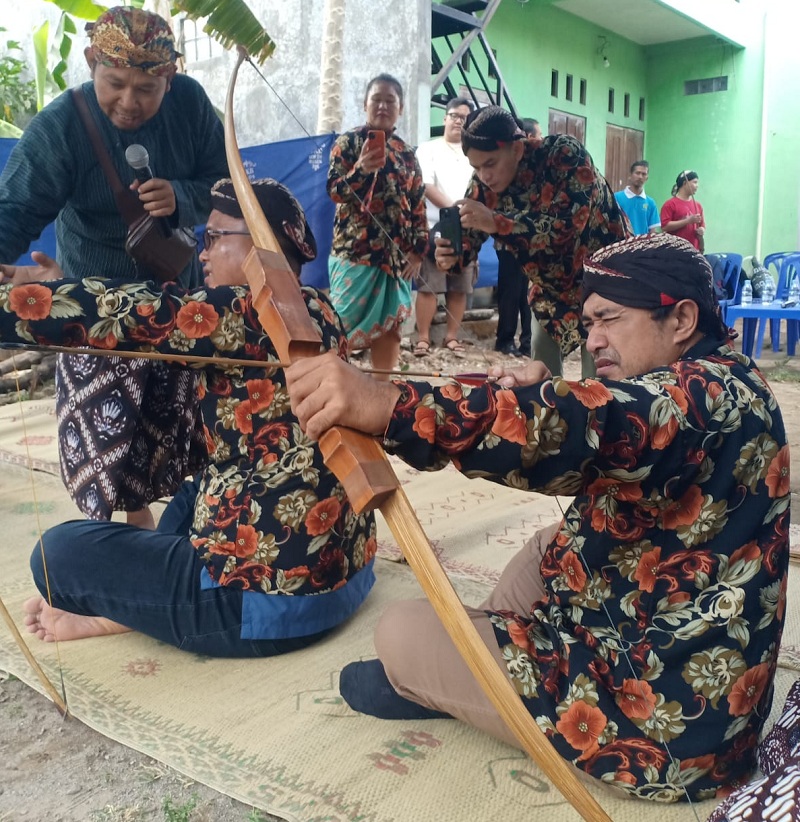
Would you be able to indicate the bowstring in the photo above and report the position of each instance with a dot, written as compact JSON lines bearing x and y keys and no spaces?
{"x":622,"y":646}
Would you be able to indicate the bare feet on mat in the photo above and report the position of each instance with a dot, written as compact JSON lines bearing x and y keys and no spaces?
{"x":51,"y":624}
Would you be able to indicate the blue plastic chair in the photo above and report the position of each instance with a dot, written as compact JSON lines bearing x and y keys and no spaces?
{"x":789,"y":269}
{"x":731,"y":280}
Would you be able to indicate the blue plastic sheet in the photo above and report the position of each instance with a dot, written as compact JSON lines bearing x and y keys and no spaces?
{"x":301,"y":165}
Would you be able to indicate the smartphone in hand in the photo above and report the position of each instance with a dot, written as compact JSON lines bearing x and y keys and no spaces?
{"x":450,"y":227}
{"x":376,"y":139}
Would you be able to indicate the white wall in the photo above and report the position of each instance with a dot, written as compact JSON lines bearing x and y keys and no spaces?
{"x":392,"y":37}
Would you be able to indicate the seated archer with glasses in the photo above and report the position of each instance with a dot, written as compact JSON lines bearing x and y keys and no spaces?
{"x":264,"y":518}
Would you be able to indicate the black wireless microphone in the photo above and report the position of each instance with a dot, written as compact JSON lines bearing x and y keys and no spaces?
{"x":139,"y":160}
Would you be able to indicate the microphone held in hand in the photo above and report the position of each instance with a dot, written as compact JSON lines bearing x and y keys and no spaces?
{"x":139,"y":160}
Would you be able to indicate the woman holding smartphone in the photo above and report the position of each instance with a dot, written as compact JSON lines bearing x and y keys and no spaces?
{"x":380,"y":231}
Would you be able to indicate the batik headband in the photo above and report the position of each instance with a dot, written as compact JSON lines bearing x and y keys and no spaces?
{"x":124,"y":37}
{"x":280,"y":207}
{"x":651,"y":271}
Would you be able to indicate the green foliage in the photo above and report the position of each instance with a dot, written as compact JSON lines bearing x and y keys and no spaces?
{"x":179,"y":813}
{"x":231,"y":23}
{"x":18,"y":94}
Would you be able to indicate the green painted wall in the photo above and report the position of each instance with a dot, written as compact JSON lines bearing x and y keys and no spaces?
{"x":534,"y":38}
{"x":781,"y":228}
{"x":718,"y":135}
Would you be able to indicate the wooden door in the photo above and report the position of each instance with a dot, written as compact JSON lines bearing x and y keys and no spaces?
{"x":624,"y":146}
{"x":559,"y":122}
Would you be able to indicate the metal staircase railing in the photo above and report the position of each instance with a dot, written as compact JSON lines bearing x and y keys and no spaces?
{"x":461,"y":57}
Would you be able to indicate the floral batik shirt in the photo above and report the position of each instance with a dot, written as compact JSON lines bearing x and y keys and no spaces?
{"x":557,"y":211}
{"x":269,"y":518}
{"x":649,"y":664}
{"x":380,"y":217}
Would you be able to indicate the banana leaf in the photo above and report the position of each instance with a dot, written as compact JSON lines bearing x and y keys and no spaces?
{"x":231,"y":23}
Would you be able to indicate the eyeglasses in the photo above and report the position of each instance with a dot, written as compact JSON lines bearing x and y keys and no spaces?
{"x":210,"y":235}
{"x":458,"y":118}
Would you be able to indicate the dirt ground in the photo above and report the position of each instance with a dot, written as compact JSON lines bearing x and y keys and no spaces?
{"x":62,"y":771}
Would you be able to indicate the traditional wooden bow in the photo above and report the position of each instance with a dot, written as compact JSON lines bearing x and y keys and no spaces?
{"x":361,"y":465}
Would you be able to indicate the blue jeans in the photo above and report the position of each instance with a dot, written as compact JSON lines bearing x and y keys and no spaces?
{"x":149,"y":581}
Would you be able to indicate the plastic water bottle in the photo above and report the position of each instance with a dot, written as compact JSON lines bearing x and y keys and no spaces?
{"x":747,"y":293}
{"x":794,"y":291}
{"x":767,"y":291}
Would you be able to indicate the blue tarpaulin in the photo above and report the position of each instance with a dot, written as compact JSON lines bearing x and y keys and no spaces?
{"x":301,"y":165}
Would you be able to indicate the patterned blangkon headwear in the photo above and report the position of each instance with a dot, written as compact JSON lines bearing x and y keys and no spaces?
{"x":280,"y":207}
{"x":124,"y":37}
{"x":489,"y":128}
{"x":655,"y":270}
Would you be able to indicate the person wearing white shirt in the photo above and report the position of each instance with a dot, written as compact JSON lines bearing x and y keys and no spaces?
{"x":446,"y":173}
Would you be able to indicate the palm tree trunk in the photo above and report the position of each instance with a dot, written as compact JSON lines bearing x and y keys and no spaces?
{"x":329,"y":116}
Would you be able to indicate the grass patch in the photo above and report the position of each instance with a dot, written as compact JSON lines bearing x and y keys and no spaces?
{"x":782,"y":373}
{"x":179,"y":813}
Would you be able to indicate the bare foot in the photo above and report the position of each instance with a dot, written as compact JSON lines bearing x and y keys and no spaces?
{"x":51,"y":624}
{"x":141,"y":519}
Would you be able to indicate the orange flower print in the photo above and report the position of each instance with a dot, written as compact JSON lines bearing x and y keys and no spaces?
{"x":519,"y":635}
{"x":510,"y":423}
{"x":452,"y":391}
{"x":322,"y":517}
{"x":243,"y":414}
{"x":581,"y":725}
{"x":425,"y":423}
{"x":370,"y":549}
{"x":261,"y":393}
{"x":685,"y":511}
{"x":778,"y":474}
{"x":748,"y":689}
{"x":590,"y":393}
{"x":145,"y":310}
{"x":31,"y":302}
{"x":636,"y":699}
{"x":662,"y":435}
{"x":196,"y":319}
{"x":573,"y":571}
{"x":646,"y":572}
{"x":246,"y":541}
{"x":109,"y":341}
{"x":679,"y":397}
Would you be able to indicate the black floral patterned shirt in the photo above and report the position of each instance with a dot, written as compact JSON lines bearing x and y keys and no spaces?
{"x":557,"y":211}
{"x":270,"y":517}
{"x":380,"y":217}
{"x":650,"y":662}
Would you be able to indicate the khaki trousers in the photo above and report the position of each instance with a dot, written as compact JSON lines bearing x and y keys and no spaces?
{"x":422,"y":662}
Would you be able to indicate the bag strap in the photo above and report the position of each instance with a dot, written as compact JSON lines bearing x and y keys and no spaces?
{"x":128,"y":204}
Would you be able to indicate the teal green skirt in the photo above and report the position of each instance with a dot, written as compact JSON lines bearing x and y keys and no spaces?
{"x":368,"y":300}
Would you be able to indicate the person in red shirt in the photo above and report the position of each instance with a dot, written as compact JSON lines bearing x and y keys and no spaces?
{"x":682,"y":215}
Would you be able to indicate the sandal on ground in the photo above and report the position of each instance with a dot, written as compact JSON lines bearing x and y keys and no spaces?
{"x":454,"y":345}
{"x":422,"y":348}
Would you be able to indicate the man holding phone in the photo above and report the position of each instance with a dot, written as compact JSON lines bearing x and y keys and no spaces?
{"x":543,"y":202}
{"x":446,"y":172}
